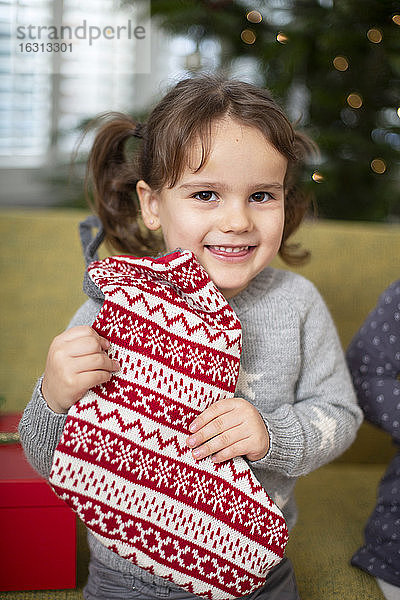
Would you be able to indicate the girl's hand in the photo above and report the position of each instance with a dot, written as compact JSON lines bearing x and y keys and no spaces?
{"x":228,"y":428}
{"x":77,"y":360}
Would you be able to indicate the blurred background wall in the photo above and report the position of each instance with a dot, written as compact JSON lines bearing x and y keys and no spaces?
{"x":333,"y":64}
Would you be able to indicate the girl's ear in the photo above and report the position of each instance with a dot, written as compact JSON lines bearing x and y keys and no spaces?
{"x":148,"y":200}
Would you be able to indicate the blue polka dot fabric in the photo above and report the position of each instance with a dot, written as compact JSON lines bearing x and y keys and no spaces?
{"x":374,"y":361}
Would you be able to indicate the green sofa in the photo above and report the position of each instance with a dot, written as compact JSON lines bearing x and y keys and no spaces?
{"x":351,"y":264}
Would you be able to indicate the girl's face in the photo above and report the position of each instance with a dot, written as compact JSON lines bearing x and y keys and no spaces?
{"x":230,"y":214}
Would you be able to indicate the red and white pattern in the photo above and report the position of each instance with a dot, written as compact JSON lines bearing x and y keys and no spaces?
{"x":123,"y":464}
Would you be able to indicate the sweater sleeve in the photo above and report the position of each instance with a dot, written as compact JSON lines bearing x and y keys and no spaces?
{"x":40,"y":428}
{"x":320,"y":421}
{"x":374,"y":360}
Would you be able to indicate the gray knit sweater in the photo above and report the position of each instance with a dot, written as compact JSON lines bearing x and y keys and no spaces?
{"x":292,"y":370}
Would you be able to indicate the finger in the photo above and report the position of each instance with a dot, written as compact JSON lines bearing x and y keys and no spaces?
{"x":90,"y":379}
{"x":220,"y":442}
{"x":105,"y":343}
{"x":88,"y":344}
{"x":237,"y":449}
{"x":213,"y":411}
{"x":95,"y":362}
{"x":217,"y":426}
{"x":83,"y":331}
{"x":77,"y":332}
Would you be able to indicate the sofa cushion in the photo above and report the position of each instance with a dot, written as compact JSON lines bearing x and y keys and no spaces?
{"x":334,"y":504}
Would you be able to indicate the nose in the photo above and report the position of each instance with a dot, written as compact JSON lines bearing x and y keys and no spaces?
{"x":235,"y":217}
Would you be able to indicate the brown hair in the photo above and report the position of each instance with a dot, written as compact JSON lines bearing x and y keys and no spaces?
{"x":186,"y":113}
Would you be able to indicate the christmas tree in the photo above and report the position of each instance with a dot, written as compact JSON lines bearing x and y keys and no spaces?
{"x":334,"y":66}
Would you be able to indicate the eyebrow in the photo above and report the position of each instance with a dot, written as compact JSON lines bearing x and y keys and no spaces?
{"x":207,"y":185}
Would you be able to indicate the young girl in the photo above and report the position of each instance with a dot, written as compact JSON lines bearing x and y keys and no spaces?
{"x":215,"y":171}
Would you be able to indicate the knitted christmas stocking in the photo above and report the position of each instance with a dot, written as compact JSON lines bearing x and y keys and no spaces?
{"x":123,"y":464}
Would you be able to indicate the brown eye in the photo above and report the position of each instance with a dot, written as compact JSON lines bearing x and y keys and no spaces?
{"x":260,"y":197}
{"x":205,"y":196}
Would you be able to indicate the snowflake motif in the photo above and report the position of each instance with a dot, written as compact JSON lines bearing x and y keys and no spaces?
{"x":236,"y":508}
{"x":180,"y":482}
{"x":134,"y":331}
{"x":326,"y":425}
{"x":154,"y":341}
{"x":196,"y":490}
{"x":103,"y":448}
{"x":78,"y":439}
{"x":172,"y":348}
{"x":144,"y":466}
{"x":219,"y":498}
{"x":214,"y":367}
{"x":165,"y":474}
{"x":245,"y":383}
{"x":123,"y":456}
{"x":113,"y":325}
{"x":193,"y":358}
{"x":256,"y":519}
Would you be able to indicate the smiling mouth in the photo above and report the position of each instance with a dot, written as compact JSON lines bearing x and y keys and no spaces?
{"x":229,"y":248}
{"x":231,"y":251}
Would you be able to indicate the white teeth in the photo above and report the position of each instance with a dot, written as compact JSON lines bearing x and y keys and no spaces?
{"x":230,"y":249}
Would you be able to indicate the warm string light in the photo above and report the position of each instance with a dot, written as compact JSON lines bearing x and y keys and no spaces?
{"x":378,"y":166}
{"x":254,"y":16}
{"x":374,"y":35}
{"x":354,"y":100}
{"x":317,"y":177}
{"x":340,"y":63}
{"x":248,"y":36}
{"x":282,"y":38}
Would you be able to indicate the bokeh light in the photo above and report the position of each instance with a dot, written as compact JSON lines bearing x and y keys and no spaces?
{"x":396,"y":19}
{"x":248,"y":36}
{"x":317,"y":177}
{"x":378,"y":166}
{"x":354,"y":100}
{"x":282,"y":38}
{"x":349,"y":117}
{"x":374,"y":35}
{"x":340,"y":63}
{"x":254,"y":16}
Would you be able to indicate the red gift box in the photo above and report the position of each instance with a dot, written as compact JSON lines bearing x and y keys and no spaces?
{"x":38,"y":530}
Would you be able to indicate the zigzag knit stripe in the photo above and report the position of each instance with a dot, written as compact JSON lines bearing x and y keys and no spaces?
{"x":162,"y":408}
{"x":87,"y":425}
{"x":185,"y":324}
{"x":216,"y":317}
{"x":183,"y":556}
{"x":153,"y":504}
{"x":143,"y":462}
{"x":145,"y":337}
{"x":171,"y":351}
{"x":132,"y":426}
{"x":116,"y":273}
